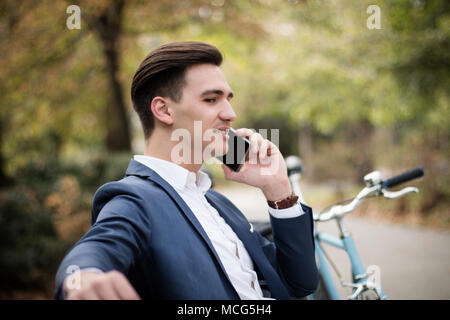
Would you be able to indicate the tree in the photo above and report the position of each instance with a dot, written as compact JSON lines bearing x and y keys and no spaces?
{"x":107,"y":24}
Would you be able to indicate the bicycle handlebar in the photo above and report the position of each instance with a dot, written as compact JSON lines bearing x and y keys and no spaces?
{"x":375,"y":186}
{"x":403,"y":177}
{"x":379,"y":188}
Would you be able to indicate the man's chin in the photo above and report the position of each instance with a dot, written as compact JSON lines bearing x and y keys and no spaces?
{"x":215,"y":149}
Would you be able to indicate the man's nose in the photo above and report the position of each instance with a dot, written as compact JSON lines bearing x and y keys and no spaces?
{"x":227,"y":112}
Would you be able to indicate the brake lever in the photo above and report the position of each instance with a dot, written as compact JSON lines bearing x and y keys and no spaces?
{"x":396,"y":194}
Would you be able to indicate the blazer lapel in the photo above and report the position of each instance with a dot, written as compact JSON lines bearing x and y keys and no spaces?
{"x":242,"y":228}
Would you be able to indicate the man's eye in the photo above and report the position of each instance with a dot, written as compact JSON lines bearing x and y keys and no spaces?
{"x":210,"y":100}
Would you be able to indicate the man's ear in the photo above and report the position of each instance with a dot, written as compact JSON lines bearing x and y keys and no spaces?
{"x":161,"y":110}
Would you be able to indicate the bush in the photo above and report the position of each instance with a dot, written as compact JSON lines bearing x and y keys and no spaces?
{"x":44,"y":211}
{"x":29,"y":245}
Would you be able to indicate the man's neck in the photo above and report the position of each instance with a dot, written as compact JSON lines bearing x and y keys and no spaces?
{"x":159,"y":146}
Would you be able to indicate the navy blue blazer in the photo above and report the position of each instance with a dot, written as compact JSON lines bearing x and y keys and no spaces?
{"x":144,"y":229}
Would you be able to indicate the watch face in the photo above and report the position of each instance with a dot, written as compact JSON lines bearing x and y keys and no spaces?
{"x":237,"y":151}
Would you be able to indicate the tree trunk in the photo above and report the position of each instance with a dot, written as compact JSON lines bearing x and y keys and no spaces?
{"x":361,"y":138}
{"x":108,"y":27}
{"x":3,"y":177}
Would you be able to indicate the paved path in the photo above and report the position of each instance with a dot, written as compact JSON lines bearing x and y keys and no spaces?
{"x":414,"y":262}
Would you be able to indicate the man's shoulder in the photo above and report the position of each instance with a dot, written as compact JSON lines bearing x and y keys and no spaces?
{"x":132,"y":189}
{"x":131,"y":185}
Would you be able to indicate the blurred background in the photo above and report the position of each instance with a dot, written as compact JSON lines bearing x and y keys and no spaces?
{"x":347,"y":99}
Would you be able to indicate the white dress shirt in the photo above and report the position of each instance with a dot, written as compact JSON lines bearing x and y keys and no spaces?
{"x":231,"y":251}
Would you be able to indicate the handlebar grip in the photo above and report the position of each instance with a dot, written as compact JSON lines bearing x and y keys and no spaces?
{"x":403,"y":177}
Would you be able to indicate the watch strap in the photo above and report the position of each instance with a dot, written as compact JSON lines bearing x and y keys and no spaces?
{"x":283,"y":203}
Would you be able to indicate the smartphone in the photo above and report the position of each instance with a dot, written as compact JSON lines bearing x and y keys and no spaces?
{"x":238,"y":148}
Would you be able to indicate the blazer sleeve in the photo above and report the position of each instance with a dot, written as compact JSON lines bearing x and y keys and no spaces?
{"x":293,"y":253}
{"x":114,"y":241}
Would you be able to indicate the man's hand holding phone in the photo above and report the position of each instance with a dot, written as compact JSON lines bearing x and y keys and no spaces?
{"x":264,"y":167}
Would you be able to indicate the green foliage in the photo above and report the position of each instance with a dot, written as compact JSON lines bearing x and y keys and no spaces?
{"x":44,"y":211}
{"x":305,"y":61}
{"x":29,"y":247}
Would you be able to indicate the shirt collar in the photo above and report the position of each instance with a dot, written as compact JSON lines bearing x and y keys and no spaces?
{"x":177,"y":176}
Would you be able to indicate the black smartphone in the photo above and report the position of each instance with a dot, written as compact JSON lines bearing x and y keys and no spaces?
{"x":238,"y":148}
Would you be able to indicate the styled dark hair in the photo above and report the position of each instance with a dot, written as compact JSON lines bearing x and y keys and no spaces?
{"x":162,"y":73}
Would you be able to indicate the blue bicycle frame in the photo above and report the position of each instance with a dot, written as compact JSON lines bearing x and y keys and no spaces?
{"x":361,"y":280}
{"x":346,"y":243}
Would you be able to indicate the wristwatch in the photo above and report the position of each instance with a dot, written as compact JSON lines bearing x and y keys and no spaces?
{"x":288,"y":202}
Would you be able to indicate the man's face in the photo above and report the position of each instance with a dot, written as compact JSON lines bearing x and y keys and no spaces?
{"x":206,"y":98}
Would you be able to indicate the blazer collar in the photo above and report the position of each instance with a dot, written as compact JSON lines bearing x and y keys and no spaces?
{"x":136,"y":168}
{"x":177,"y":176}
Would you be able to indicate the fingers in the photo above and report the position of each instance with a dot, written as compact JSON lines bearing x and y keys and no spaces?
{"x":111,"y":285}
{"x":102,"y":290}
{"x":260,"y":148}
{"x":244,"y":132}
{"x":263,"y":152}
{"x":231,"y":175}
{"x":255,"y":140}
{"x":82,"y":295}
{"x":123,"y":287}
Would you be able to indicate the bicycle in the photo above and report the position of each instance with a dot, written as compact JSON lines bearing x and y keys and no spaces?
{"x":364,"y":285}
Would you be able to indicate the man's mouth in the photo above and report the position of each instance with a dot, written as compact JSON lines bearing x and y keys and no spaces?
{"x":221,"y":131}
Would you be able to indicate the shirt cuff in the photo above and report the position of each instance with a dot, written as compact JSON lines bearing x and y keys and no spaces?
{"x":292,"y":212}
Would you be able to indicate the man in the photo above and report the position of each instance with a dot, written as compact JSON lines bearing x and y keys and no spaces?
{"x":161,"y":232}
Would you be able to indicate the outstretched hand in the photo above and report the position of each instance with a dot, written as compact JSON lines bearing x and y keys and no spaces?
{"x":111,"y":285}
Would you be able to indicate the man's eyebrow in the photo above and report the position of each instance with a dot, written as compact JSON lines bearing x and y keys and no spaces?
{"x":216,"y":91}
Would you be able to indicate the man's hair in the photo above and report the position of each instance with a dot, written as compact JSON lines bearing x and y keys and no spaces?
{"x":162,"y":73}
